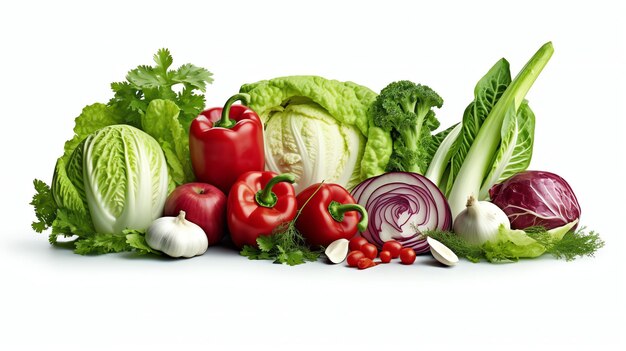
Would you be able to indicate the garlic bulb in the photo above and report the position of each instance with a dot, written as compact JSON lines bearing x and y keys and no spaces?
{"x":480,"y":221}
{"x":176,"y":236}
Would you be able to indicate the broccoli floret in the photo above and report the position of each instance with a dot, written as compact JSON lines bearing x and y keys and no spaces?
{"x":404,"y":109}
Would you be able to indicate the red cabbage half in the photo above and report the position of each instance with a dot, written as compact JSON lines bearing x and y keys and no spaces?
{"x":400,"y":206}
{"x":536,"y":198}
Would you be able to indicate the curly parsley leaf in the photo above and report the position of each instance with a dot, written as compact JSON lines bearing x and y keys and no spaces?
{"x":128,"y":241}
{"x":45,"y":207}
{"x":101,"y":244}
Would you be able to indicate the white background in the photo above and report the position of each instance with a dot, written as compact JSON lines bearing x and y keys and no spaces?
{"x":57,"y":57}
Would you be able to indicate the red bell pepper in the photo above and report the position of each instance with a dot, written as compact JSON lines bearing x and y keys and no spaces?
{"x":225,"y":143}
{"x":258,"y":203}
{"x":331,"y":213}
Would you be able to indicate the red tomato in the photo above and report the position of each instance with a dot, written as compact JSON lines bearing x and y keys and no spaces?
{"x":370,"y":251}
{"x":407,"y":255}
{"x":365,"y":263}
{"x":393,"y":247}
{"x":356,"y":243}
{"x":385,"y":256}
{"x":354,"y":257}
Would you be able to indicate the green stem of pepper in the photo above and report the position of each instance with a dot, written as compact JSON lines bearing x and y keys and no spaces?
{"x":337,"y":211}
{"x":265,"y":197}
{"x":226,"y":121}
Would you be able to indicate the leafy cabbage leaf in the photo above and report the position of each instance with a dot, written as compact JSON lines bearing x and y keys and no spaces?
{"x":314,"y":127}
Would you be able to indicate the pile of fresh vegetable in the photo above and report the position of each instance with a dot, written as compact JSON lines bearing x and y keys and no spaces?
{"x":304,"y":166}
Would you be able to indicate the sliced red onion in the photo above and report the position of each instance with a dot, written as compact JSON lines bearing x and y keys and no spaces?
{"x":402,"y":205}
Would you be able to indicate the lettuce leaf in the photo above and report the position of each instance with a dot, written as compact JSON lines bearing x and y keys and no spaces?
{"x":516,"y":147}
{"x":161,"y":122}
{"x":511,"y":245}
{"x":487,"y":92}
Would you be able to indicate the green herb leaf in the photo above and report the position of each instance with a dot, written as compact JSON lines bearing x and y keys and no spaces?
{"x":163,"y":59}
{"x":45,"y":207}
{"x":250,"y":252}
{"x":136,"y":239}
{"x":285,"y":246}
{"x":266,"y":243}
{"x":101,"y":244}
{"x":146,"y":83}
{"x":573,"y":244}
{"x":128,"y":241}
{"x":192,"y":76}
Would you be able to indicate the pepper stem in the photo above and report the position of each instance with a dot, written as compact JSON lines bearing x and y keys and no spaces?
{"x":226,"y":121}
{"x":265,"y":197}
{"x":337,"y":211}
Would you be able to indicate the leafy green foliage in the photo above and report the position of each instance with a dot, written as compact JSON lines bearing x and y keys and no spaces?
{"x":147,"y":83}
{"x":45,"y":207}
{"x":136,"y":239}
{"x":483,"y":149}
{"x":404,"y":109}
{"x":573,"y":244}
{"x":101,"y":244}
{"x":161,"y":121}
{"x":437,"y":139}
{"x":147,"y":100}
{"x":511,"y":245}
{"x":516,"y":147}
{"x":487,"y":92}
{"x":286,"y":245}
{"x":129,"y":240}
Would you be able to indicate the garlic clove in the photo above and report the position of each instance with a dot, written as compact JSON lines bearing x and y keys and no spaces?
{"x":337,"y":251}
{"x":442,"y":253}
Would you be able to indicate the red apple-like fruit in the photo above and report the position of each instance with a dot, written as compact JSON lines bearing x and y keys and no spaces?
{"x":204,"y":205}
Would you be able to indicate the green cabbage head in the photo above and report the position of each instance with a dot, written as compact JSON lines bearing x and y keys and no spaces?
{"x":314,"y":127}
{"x":117,"y":175}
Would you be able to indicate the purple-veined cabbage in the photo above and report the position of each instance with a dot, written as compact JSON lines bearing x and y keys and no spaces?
{"x":400,"y":206}
{"x":536,"y":198}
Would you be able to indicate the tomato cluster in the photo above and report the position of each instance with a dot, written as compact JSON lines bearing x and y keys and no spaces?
{"x":362,"y":253}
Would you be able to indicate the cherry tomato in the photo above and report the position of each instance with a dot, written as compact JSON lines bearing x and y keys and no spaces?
{"x":354,"y":257}
{"x":365,"y":263}
{"x":370,"y":251}
{"x":407,"y":255}
{"x":393,"y":247}
{"x":356,"y":243}
{"x":385,"y":256}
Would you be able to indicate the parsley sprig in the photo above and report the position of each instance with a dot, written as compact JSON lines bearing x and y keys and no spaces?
{"x":145,"y":83}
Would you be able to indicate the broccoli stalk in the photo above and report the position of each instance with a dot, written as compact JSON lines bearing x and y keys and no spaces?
{"x":404,"y":109}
